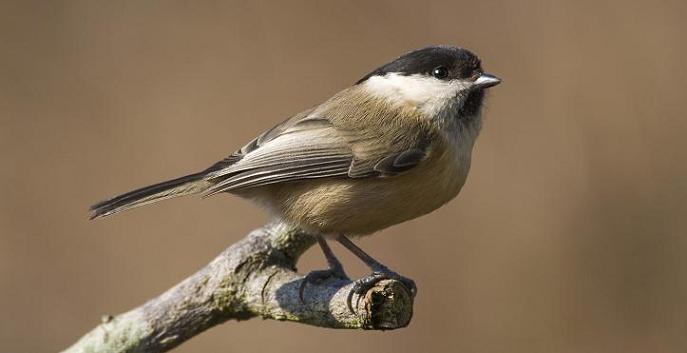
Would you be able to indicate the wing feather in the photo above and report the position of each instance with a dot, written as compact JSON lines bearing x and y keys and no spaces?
{"x":306,"y":147}
{"x":313,"y":149}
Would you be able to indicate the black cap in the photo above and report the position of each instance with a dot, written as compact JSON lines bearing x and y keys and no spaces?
{"x":454,"y":62}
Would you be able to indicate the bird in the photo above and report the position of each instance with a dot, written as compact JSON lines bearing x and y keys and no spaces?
{"x":395,"y":145}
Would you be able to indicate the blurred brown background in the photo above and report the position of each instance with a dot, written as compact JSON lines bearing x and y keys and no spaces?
{"x":570,"y":235}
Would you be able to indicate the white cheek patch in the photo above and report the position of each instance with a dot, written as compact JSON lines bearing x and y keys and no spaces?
{"x":428,"y":94}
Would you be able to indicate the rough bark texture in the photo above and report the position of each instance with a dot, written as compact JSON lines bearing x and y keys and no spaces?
{"x":253,"y":278}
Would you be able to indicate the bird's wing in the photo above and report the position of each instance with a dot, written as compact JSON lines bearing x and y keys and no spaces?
{"x":309,"y":146}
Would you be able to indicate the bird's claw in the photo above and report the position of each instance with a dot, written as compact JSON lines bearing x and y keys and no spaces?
{"x":361,"y":286}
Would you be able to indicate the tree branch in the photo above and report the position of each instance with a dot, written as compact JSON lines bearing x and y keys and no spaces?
{"x":254,"y":277}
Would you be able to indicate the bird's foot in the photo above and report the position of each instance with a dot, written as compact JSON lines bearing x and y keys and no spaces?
{"x":361,"y":286}
{"x":319,"y":276}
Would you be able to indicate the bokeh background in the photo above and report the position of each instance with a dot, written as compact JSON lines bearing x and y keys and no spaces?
{"x":570,"y":235}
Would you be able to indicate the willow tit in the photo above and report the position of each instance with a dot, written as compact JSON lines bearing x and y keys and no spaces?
{"x":394,"y":146}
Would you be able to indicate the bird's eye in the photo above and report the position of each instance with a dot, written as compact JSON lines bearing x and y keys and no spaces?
{"x":440,"y":72}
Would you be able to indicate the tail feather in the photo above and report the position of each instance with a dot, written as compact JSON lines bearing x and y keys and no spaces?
{"x":186,"y":185}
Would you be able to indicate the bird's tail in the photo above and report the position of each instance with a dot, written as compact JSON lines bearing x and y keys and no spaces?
{"x":186,"y":185}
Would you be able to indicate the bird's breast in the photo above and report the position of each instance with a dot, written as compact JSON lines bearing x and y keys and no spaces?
{"x":362,"y":206}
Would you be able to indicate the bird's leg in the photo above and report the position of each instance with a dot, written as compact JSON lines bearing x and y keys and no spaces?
{"x":379,"y":272}
{"x":335,"y":269}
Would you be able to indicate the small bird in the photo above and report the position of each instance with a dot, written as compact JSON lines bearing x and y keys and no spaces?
{"x":394,"y":146}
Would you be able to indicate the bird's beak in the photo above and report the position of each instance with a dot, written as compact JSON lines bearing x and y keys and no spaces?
{"x":486,"y":80}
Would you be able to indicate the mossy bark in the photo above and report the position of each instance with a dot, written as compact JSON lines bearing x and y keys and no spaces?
{"x":255,"y":277}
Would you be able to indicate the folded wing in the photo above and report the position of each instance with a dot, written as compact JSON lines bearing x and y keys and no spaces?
{"x":311,"y":147}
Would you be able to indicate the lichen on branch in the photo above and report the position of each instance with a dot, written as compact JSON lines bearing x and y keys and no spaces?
{"x":255,"y":277}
